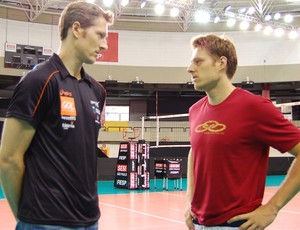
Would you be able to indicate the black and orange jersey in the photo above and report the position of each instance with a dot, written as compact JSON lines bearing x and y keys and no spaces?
{"x":60,"y":180}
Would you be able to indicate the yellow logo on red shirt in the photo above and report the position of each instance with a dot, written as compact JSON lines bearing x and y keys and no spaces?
{"x":210,"y":126}
{"x":67,"y":106}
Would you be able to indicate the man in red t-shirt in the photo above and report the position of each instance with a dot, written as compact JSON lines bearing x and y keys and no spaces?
{"x":231,"y":132}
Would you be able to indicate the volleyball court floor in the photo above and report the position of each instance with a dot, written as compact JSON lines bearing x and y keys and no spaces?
{"x":158,"y":209}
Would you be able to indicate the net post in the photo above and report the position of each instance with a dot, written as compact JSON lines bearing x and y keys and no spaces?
{"x":143,"y":127}
{"x":157,"y":130}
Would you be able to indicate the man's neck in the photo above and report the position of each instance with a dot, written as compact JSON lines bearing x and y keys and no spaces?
{"x":69,"y":58}
{"x":218,"y":95}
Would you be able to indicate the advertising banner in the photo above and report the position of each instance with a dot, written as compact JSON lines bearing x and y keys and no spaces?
{"x":112,"y":53}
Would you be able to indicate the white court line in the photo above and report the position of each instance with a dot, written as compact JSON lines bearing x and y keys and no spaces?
{"x":290,"y":212}
{"x":170,"y":193}
{"x":282,"y":210}
{"x":142,"y":213}
{"x":272,"y":193}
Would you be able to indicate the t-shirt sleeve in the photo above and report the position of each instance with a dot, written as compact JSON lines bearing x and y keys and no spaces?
{"x":273,"y":128}
{"x":30,"y":100}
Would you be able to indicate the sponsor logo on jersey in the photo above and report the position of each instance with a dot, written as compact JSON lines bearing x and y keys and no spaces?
{"x":211,"y":126}
{"x":65,"y":93}
{"x":96,"y":111}
{"x":67,"y":106}
{"x":67,"y":110}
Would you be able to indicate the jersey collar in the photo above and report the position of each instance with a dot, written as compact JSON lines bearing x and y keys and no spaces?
{"x":65,"y":73}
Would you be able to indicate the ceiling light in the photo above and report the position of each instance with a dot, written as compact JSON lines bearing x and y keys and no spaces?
{"x":124,"y":2}
{"x":251,"y":10}
{"x":231,"y":22}
{"x":242,"y":10}
{"x":217,"y":19}
{"x":201,"y":1}
{"x":202,"y":16}
{"x":226,"y":8}
{"x":288,"y":18}
{"x":159,"y":9}
{"x":268,"y":17}
{"x":174,"y":12}
{"x":279,"y":32}
{"x":277,"y":16}
{"x":143,"y":4}
{"x":258,"y":27}
{"x":108,"y":3}
{"x":244,"y":25}
{"x":293,"y":34}
{"x":268,"y":30}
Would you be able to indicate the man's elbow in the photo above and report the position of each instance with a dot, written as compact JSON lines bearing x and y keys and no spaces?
{"x":9,"y":162}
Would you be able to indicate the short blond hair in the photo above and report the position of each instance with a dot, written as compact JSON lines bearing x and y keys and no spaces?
{"x":83,"y":12}
{"x":218,"y":46}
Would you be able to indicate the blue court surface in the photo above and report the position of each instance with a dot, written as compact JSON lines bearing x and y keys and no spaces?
{"x":107,"y":187}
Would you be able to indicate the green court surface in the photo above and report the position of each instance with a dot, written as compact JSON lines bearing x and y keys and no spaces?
{"x":107,"y":187}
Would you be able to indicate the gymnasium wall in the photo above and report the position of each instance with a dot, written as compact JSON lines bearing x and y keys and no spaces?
{"x":161,"y":57}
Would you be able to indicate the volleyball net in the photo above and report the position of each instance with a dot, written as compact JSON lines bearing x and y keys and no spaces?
{"x":174,"y":131}
{"x":167,"y":130}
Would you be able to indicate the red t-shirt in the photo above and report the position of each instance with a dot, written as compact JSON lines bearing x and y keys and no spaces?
{"x":230,"y":143}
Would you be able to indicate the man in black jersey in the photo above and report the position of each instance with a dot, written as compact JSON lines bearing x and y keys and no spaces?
{"x":48,"y":155}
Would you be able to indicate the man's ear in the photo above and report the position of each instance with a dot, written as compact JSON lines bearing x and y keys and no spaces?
{"x":223,"y":61}
{"x":76,"y":29}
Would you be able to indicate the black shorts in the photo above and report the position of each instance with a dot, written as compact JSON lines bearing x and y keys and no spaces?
{"x":233,"y":224}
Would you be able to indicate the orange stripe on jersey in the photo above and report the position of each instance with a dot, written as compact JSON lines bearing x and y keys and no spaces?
{"x":43,"y":91}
